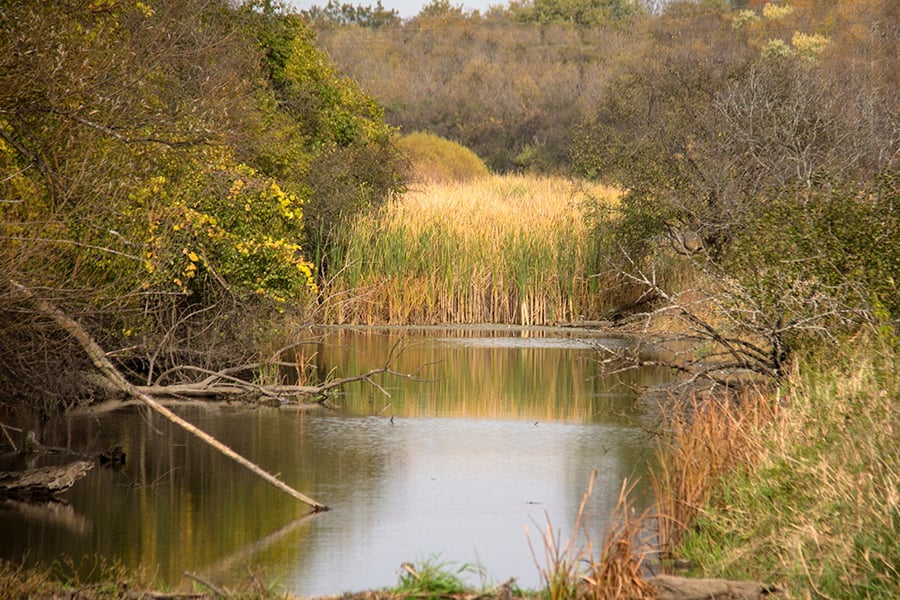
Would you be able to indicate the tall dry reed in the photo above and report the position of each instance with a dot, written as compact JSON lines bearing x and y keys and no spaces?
{"x":701,"y":442}
{"x":572,"y":571}
{"x":561,"y":570}
{"x":506,"y":249}
{"x":618,"y":570}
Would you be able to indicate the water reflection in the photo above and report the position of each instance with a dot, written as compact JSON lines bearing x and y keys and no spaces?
{"x":514,"y":373}
{"x":500,"y":429}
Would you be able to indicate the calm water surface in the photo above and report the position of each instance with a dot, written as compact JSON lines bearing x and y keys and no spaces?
{"x":498,"y":430}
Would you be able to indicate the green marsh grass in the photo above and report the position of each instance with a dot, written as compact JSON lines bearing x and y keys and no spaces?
{"x":504,"y":249}
{"x":431,"y":579}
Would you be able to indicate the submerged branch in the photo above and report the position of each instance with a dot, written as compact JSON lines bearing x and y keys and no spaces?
{"x":224,"y":383}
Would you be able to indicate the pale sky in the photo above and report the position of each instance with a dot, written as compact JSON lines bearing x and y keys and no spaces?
{"x":406,"y":8}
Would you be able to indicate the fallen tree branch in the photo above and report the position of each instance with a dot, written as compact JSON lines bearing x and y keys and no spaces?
{"x":219,"y":592}
{"x":219,"y":383}
{"x":117,"y":381}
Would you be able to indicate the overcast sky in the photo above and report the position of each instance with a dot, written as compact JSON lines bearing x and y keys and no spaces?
{"x":406,"y":8}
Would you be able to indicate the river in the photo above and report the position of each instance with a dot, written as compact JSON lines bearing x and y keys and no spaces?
{"x":495,"y":431}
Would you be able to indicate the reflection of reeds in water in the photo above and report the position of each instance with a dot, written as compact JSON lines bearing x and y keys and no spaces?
{"x":508,"y":249}
{"x":546,"y":384}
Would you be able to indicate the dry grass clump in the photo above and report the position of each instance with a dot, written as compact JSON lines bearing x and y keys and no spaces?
{"x":702,"y":442}
{"x":572,"y":571}
{"x":64,"y":580}
{"x":435,"y":159}
{"x":113,"y":581}
{"x":506,"y":249}
{"x":618,"y":571}
{"x":18,"y":582}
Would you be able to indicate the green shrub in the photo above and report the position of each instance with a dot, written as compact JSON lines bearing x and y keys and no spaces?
{"x":436,"y":159}
{"x":168,"y":169}
{"x":432,"y":579}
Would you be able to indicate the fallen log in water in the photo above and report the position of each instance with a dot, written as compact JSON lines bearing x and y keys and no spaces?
{"x":670,"y":587}
{"x":42,"y":483}
{"x":117,"y":381}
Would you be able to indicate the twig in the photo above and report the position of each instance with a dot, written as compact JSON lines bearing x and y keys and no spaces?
{"x":505,"y":587}
{"x":215,"y":589}
{"x":4,"y":427}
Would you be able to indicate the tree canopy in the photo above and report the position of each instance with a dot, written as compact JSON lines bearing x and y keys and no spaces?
{"x":762,"y":146}
{"x":161,"y":163}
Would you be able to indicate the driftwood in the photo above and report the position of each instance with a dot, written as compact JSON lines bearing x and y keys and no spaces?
{"x":148,"y":595}
{"x":117,"y":381}
{"x":219,"y":592}
{"x":670,"y":587}
{"x":42,"y":483}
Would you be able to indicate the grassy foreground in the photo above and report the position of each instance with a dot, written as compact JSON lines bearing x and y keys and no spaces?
{"x":501,"y":249}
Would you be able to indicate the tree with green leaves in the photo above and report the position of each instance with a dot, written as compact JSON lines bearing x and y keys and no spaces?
{"x":337,"y":14}
{"x":587,"y":13}
{"x":160,"y":163}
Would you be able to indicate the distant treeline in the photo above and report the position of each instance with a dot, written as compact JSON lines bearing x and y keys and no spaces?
{"x":517,"y":82}
{"x":512,"y":84}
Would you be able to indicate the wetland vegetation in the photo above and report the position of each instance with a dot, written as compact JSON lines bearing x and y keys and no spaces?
{"x":186,"y":187}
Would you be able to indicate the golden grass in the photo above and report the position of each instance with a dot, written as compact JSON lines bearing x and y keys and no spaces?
{"x":571,"y":571}
{"x":702,"y":442}
{"x":506,"y":249}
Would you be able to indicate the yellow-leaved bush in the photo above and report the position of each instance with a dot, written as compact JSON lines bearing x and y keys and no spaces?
{"x":227,"y":225}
